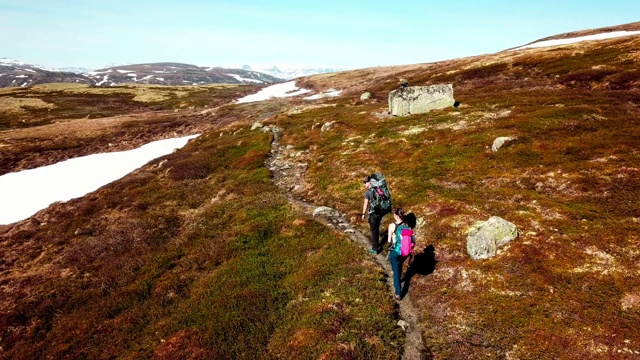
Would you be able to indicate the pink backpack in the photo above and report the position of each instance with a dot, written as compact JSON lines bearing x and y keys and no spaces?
{"x":404,"y":240}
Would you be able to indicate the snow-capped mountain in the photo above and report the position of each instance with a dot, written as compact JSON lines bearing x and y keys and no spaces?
{"x":289,"y":73}
{"x":75,"y":70}
{"x":177,"y":74}
{"x":14,"y":73}
{"x":14,"y":62}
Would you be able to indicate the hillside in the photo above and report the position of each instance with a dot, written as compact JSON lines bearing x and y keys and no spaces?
{"x":17,"y":74}
{"x":200,"y":255}
{"x":177,"y":74}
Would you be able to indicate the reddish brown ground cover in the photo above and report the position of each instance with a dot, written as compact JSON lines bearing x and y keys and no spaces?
{"x":567,"y":288}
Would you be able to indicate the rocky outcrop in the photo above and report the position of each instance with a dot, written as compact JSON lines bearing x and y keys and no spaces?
{"x":485,"y":237}
{"x":420,"y":99}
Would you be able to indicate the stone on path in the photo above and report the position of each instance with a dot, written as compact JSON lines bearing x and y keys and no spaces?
{"x":325,"y":211}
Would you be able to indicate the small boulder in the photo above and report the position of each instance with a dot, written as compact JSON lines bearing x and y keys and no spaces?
{"x":403,"y":324}
{"x":365,"y":96}
{"x":499,"y":141}
{"x":485,"y":237}
{"x":256,"y":125}
{"x":325,"y":211}
{"x":327,"y":126}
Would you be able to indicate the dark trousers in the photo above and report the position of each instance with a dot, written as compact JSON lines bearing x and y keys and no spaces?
{"x":396,"y":261}
{"x":374,"y":225}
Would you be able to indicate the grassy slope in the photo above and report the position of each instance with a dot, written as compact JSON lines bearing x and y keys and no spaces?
{"x":200,"y":257}
{"x":159,"y":260}
{"x":568,"y":287}
{"x":49,"y":123}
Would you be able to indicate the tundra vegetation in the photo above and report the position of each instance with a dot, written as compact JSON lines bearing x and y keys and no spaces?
{"x":199,"y":255}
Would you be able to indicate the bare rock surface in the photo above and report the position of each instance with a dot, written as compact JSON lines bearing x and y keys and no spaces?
{"x":420,"y":99}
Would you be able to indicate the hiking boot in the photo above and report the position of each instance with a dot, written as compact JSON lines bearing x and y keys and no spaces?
{"x":397,"y":297}
{"x":373,"y":251}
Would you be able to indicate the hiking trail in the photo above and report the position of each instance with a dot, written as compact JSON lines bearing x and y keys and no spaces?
{"x":287,"y":174}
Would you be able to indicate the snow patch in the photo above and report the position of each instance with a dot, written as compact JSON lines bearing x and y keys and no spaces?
{"x":279,"y":90}
{"x":100,"y":72}
{"x":328,"y":93}
{"x":24,"y":193}
{"x":104,"y":79}
{"x":556,"y":42}
{"x":241,"y":79}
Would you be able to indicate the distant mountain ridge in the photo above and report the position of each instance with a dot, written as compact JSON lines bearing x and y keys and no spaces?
{"x":289,"y":73}
{"x":14,"y":73}
{"x":167,"y":73}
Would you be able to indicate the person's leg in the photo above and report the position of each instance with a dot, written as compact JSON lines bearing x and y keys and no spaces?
{"x":396,"y":266}
{"x":378,"y":221}
{"x":374,"y":226}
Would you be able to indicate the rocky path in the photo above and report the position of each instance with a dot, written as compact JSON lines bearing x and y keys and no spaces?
{"x":288,"y":174}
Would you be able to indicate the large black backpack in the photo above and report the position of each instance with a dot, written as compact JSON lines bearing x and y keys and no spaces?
{"x":381,"y":199}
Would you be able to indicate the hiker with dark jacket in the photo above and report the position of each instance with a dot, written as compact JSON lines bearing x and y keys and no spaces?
{"x":374,"y":217}
{"x":395,"y":256}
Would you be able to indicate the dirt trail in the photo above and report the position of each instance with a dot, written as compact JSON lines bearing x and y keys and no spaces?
{"x":285,"y":174}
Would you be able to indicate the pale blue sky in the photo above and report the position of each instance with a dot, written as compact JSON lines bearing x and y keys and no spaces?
{"x":351,"y":34}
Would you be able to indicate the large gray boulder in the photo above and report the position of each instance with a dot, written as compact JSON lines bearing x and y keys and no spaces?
{"x":420,"y":99}
{"x":485,"y":237}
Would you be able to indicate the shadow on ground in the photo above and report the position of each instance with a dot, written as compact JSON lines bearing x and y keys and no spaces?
{"x":423,"y":263}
